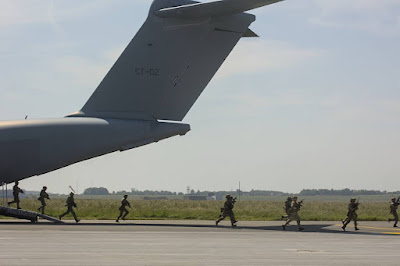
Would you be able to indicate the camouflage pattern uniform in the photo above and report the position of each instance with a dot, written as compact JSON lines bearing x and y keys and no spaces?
{"x":227,"y":210}
{"x":123,"y":209}
{"x":293,"y":214}
{"x":351,"y":214}
{"x":288,"y":204}
{"x":43,"y":196}
{"x":393,"y":210}
{"x":16,"y":191}
{"x":70,"y":205}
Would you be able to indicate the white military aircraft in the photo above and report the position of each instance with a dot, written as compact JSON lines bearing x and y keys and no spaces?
{"x":159,"y":76}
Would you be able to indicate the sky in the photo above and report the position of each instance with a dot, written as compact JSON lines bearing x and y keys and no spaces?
{"x":313,"y":103}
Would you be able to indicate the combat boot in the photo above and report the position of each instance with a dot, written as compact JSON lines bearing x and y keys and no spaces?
{"x":284,"y":227}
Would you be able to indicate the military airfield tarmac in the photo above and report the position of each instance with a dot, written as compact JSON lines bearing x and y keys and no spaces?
{"x":196,"y":243}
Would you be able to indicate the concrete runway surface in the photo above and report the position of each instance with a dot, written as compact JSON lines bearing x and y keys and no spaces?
{"x":196,"y":243}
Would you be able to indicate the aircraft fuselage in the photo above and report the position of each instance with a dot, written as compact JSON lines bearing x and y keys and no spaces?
{"x":31,"y":148}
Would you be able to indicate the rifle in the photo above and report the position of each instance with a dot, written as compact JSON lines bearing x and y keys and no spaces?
{"x":234,"y":200}
{"x":357,"y":203}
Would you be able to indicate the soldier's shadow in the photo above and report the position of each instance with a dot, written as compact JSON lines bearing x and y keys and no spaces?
{"x":308,"y":228}
{"x":313,"y":228}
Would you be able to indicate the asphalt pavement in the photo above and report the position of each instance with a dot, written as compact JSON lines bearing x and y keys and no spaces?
{"x":196,"y":243}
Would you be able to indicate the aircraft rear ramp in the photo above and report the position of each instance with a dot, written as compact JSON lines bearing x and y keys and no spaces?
{"x":26,"y":215}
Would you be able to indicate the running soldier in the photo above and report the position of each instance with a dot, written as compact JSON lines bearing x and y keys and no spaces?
{"x":123,"y":209}
{"x":288,"y":204}
{"x":227,"y":210}
{"x":293,"y":213}
{"x":43,"y":196}
{"x":351,"y":214}
{"x":16,"y":191}
{"x":394,"y":204}
{"x":70,"y":205}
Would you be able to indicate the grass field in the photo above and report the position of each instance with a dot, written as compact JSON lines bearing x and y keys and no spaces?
{"x":365,"y":198}
{"x":107,"y":209}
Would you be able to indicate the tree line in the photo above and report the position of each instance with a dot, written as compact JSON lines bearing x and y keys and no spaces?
{"x":343,"y":192}
{"x":304,"y":192}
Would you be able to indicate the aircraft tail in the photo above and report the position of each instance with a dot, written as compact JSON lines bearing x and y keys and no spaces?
{"x":213,"y":9}
{"x":172,"y":58}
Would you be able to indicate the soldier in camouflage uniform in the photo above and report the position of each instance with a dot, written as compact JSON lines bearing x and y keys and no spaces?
{"x":16,"y":191}
{"x":43,"y":196}
{"x":351,"y":214}
{"x":227,"y":210}
{"x":394,"y":204}
{"x":70,"y":205}
{"x":288,"y":204}
{"x":293,"y":213}
{"x":123,"y":209}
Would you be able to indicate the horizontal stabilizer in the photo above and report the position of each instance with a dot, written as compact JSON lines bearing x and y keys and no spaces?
{"x":213,"y":9}
{"x":250,"y":33}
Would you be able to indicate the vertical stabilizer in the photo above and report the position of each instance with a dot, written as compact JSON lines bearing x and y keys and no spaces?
{"x":167,"y":65}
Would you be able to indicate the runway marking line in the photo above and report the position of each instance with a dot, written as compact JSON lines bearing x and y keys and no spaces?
{"x":395,"y":232}
{"x":372,"y":227}
{"x":380,"y":228}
